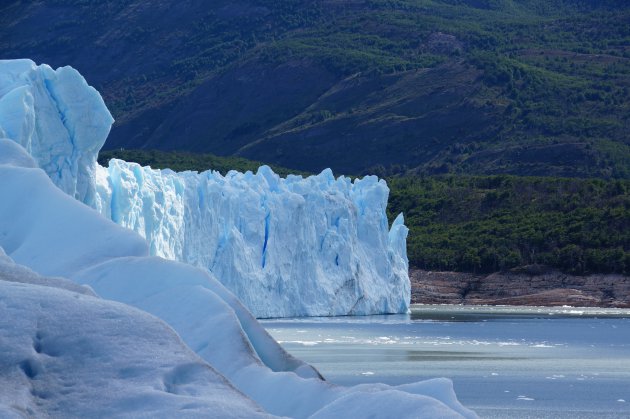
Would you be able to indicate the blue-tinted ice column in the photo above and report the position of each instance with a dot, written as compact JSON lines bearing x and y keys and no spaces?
{"x":60,"y":120}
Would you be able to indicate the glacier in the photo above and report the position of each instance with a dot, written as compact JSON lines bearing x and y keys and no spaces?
{"x":65,"y":352}
{"x":294,"y":246}
{"x":60,"y":120}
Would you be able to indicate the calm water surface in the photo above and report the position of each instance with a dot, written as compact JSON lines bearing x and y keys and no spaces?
{"x":505,"y":362}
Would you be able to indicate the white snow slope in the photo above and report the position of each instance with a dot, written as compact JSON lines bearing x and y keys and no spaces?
{"x":64,"y":353}
{"x":285,"y":247}
{"x":58,"y":347}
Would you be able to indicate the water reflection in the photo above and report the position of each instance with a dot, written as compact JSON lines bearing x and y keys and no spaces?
{"x":448,"y":313}
{"x":441,"y":356}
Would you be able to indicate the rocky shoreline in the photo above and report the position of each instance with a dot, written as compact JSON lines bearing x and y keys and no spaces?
{"x":528,"y":286}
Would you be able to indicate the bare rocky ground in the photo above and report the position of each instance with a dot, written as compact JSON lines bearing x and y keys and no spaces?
{"x":529,"y":286}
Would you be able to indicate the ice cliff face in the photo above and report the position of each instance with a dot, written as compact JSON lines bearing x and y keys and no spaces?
{"x":286,"y":247}
{"x":60,"y":120}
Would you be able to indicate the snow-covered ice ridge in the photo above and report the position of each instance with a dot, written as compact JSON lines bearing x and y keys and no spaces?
{"x":286,"y":247}
{"x":67,"y":353}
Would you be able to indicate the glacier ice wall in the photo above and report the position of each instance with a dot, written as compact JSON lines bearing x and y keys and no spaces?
{"x":286,"y":247}
{"x":60,"y":120}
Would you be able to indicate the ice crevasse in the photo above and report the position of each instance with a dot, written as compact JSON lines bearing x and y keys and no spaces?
{"x":291,"y":246}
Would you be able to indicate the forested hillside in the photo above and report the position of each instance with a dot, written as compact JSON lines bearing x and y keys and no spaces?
{"x":485,"y":224}
{"x":530,"y":87}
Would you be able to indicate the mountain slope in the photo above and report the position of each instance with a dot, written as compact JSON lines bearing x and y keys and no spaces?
{"x":478,"y":86}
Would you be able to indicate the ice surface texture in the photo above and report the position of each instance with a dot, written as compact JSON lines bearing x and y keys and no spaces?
{"x":65,"y":353}
{"x":286,"y":247}
{"x":60,"y":120}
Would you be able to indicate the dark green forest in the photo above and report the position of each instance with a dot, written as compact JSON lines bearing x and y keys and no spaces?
{"x":484,"y":224}
{"x":180,"y":161}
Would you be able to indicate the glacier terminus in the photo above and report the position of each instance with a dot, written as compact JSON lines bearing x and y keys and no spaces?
{"x":294,"y":246}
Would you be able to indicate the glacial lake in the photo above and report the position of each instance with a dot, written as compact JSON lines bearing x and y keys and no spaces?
{"x":505,"y":362}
